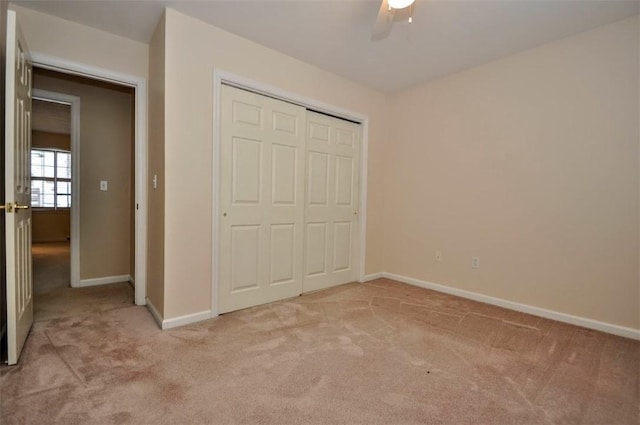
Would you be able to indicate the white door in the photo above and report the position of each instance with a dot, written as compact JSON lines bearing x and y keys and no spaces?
{"x":18,"y":190}
{"x":331,"y":204}
{"x":261,"y":199}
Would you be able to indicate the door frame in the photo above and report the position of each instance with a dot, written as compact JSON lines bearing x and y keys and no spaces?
{"x":223,"y":77}
{"x":139,"y":85}
{"x":74,"y":102}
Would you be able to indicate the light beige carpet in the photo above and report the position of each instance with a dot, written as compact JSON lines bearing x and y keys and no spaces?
{"x":72,"y":302}
{"x":374,"y":353}
{"x":51,"y":266}
{"x":53,"y":296}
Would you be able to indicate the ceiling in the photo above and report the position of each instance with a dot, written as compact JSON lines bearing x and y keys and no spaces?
{"x":446,"y":36}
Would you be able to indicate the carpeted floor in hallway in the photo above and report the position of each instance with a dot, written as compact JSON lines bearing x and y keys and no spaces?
{"x":51,"y":266}
{"x":375,"y":353}
{"x":53,"y":296}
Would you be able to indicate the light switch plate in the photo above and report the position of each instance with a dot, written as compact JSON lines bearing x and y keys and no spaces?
{"x":104,"y":185}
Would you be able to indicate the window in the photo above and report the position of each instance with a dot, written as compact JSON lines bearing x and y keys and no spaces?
{"x":50,"y":178}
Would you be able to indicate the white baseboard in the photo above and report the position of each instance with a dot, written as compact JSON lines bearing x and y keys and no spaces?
{"x":154,"y":312}
{"x":186,"y":319}
{"x":132,"y":281}
{"x":177,"y":321}
{"x":372,"y":276}
{"x":524,"y":308}
{"x":103,"y":280}
{"x":512,"y":305}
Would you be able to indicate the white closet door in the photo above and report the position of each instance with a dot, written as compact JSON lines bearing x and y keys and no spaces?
{"x":331,"y":202}
{"x":261,"y":199}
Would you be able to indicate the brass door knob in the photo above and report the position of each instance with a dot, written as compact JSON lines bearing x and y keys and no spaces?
{"x":9,"y":207}
{"x":17,"y":206}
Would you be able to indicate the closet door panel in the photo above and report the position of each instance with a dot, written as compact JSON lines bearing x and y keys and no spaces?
{"x":331,"y":214}
{"x":261,"y":192}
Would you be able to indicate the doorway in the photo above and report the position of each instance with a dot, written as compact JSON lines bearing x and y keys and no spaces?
{"x":83,"y":194}
{"x":139,"y":87}
{"x":18,"y":96}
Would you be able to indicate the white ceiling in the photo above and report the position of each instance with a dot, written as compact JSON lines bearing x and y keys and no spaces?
{"x":447,"y":35}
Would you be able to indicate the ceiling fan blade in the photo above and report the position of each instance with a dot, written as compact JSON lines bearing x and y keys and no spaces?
{"x":382,"y":27}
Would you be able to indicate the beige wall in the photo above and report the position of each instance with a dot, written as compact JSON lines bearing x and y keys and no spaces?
{"x":105,"y":150}
{"x":48,"y":225}
{"x":530,"y":163}
{"x":51,"y":226}
{"x":155,"y":223}
{"x":193,"y":49}
{"x":56,"y":37}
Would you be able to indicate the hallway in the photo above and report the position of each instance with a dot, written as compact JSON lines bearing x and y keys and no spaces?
{"x":53,"y":296}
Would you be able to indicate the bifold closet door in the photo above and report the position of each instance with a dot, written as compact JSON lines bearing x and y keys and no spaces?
{"x":261,"y":196}
{"x":331,"y":202}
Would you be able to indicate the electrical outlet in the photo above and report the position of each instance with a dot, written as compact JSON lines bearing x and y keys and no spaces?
{"x":475,"y":262}
{"x":104,"y":185}
{"x":439,"y":256}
